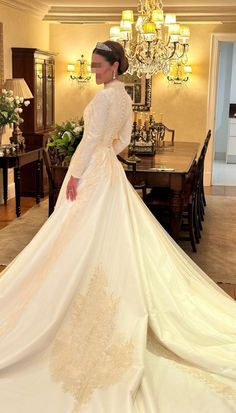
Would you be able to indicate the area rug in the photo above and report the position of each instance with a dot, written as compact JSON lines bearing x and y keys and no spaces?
{"x":15,"y":236}
{"x":216,"y":253}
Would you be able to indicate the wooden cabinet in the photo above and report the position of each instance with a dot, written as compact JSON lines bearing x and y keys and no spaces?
{"x":37,"y":67}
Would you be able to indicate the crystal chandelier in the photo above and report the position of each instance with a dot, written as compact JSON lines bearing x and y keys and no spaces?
{"x":157,"y":41}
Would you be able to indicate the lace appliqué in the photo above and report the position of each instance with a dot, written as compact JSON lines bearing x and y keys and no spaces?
{"x":88,"y":353}
{"x":206,"y":377}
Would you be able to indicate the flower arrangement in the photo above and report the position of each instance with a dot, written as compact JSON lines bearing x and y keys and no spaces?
{"x":11,"y":108}
{"x":64,"y":140}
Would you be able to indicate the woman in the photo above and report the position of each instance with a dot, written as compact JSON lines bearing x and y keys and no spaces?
{"x":102,"y":312}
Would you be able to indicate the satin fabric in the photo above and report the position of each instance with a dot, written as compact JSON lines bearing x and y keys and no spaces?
{"x":103,"y":312}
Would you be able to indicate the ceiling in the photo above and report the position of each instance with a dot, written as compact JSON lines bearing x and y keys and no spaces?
{"x":105,"y":11}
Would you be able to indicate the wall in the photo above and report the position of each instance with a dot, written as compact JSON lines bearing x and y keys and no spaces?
{"x":70,"y":41}
{"x":223,"y":99}
{"x":19,"y":30}
{"x":233,"y":78}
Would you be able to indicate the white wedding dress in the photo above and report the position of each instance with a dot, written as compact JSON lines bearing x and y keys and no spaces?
{"x":102,"y":312}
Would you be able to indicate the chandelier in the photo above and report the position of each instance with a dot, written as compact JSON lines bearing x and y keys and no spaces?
{"x":154,"y":42}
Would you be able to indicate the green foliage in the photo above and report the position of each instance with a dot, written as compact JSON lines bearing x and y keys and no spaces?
{"x":66,"y":138}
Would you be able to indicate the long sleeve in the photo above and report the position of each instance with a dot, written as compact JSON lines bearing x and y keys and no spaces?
{"x":124,"y":135}
{"x":93,"y":134}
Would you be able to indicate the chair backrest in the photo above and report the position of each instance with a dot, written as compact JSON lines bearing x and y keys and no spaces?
{"x":162,"y":133}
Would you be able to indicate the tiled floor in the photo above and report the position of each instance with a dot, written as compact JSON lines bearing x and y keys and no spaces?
{"x":224,"y":173}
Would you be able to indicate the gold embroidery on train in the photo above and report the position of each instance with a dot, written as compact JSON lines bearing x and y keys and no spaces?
{"x":88,"y":353}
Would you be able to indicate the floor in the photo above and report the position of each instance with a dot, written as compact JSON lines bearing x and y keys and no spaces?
{"x":224,"y":173}
{"x":7,"y":214}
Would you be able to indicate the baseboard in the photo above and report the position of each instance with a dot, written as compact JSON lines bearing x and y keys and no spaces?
{"x":11,"y":192}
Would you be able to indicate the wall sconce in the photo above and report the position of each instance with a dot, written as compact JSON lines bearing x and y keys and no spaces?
{"x":80,"y":71}
{"x":179,"y":73}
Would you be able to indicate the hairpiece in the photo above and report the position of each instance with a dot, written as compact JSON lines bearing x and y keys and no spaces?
{"x":102,"y":46}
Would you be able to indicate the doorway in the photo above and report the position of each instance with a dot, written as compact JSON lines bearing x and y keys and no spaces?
{"x":222,"y":93}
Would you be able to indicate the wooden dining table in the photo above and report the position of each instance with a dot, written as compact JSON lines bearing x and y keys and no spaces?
{"x":168,"y":168}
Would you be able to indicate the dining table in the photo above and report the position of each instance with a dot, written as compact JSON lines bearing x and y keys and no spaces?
{"x":168,"y":168}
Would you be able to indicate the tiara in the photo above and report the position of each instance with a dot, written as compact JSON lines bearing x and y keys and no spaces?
{"x":102,"y":46}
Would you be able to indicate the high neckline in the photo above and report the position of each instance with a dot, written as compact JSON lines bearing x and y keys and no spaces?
{"x":113,"y":83}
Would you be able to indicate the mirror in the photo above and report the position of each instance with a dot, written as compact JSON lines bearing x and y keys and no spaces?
{"x":140,"y":91}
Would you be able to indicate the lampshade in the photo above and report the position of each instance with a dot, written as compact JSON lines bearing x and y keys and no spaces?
{"x":188,"y":69}
{"x":125,"y":26}
{"x":158,"y":16}
{"x":70,"y":67}
{"x":128,"y":15}
{"x":115,"y":33}
{"x":174,"y":28}
{"x":19,"y":88}
{"x":170,"y":18}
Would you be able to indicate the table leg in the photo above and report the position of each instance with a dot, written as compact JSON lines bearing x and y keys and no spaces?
{"x":17,"y":190}
{"x":37,"y":175}
{"x":5,"y":185}
{"x":176,"y":213}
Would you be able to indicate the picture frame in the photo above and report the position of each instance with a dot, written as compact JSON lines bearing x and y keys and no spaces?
{"x":140,"y":91}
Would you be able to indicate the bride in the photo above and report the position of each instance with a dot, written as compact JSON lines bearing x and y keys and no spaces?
{"x":102,"y":312}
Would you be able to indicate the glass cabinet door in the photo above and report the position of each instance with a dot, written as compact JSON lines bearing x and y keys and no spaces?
{"x":39,"y":68}
{"x":49,"y":104}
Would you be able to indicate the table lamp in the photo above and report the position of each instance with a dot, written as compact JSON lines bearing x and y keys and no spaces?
{"x":19,"y":88}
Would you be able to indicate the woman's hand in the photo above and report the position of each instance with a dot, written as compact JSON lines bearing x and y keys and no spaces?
{"x":71,"y":189}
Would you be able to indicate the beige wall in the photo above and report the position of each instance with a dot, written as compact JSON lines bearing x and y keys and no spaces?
{"x":20,"y":30}
{"x":70,"y":41}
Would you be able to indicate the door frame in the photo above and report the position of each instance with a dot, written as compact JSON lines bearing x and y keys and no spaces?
{"x":216,"y":38}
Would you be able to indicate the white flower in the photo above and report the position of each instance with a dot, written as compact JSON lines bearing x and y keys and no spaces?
{"x":17,"y":101}
{"x":26,"y":102}
{"x":21,"y":100}
{"x":78,"y":129}
{"x":17,"y":98}
{"x":4,"y":92}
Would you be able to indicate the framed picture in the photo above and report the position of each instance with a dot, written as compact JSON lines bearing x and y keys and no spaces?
{"x":140,"y":91}
{"x":1,"y":57}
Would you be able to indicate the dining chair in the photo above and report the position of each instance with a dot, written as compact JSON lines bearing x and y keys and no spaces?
{"x":164,"y":135}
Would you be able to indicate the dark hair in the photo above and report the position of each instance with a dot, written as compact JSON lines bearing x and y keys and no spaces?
{"x":117,"y":54}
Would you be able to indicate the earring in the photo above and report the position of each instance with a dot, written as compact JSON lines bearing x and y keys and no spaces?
{"x":114,"y":75}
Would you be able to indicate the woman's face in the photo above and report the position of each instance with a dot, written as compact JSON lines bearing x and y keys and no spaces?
{"x":103,"y":70}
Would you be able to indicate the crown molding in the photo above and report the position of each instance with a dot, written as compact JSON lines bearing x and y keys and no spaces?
{"x":107,"y":14}
{"x":94,"y":11}
{"x":36,"y":7}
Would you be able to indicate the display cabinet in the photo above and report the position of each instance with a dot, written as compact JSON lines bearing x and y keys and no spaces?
{"x":37,"y":67}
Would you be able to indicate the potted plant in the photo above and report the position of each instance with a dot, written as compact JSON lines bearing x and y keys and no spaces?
{"x":64,"y":141}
